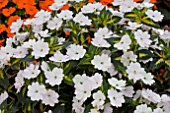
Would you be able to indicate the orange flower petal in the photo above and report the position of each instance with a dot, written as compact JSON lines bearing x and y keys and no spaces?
{"x":3,"y":3}
{"x":2,"y":28}
{"x":106,"y":2}
{"x":31,"y":10}
{"x":65,"y":7}
{"x":8,"y":11}
{"x":12,"y":19}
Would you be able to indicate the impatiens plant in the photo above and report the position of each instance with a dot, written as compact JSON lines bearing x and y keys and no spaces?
{"x":85,"y":56}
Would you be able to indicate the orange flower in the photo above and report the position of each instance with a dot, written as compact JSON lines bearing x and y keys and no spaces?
{"x":9,"y":34}
{"x":34,"y":62}
{"x":45,"y":4}
{"x":89,"y":39}
{"x":12,"y":19}
{"x":137,"y":0}
{"x":31,"y":10}
{"x":2,"y":28}
{"x":106,"y":2}
{"x":8,"y":11}
{"x":65,"y":7}
{"x":14,"y":1}
{"x":3,"y":3}
{"x":25,"y":3}
{"x":67,"y":33}
{"x":1,"y":42}
{"x":153,"y":1}
{"x":91,"y":1}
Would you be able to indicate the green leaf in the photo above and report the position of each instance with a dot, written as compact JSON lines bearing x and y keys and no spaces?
{"x":157,"y":63}
{"x":82,"y":38}
{"x":130,"y":15}
{"x":161,"y":60}
{"x":113,"y":40}
{"x":119,"y":66}
{"x":70,"y":65}
{"x":167,"y":62}
{"x":150,"y":23}
{"x":59,"y":109}
{"x":144,"y":54}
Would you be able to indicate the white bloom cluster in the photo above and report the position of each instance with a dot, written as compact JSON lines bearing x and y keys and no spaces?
{"x":99,"y":51}
{"x":38,"y":92}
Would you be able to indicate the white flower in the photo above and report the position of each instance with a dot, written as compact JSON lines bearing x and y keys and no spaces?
{"x":55,"y":6}
{"x":59,"y":57}
{"x":61,"y":2}
{"x":103,"y":33}
{"x":45,"y":67}
{"x":124,"y":43}
{"x":100,"y":42}
{"x":144,"y":4}
{"x":82,"y":93}
{"x":111,"y":70}
{"x":89,"y":8}
{"x":142,"y":38}
{"x":118,"y":2}
{"x":118,"y":84}
{"x":40,"y":49}
{"x":99,"y":100}
{"x":41,"y":17}
{"x":135,"y":72}
{"x":77,"y":106}
{"x":19,"y":80}
{"x":127,"y":57}
{"x":83,"y":87}
{"x":31,"y":72}
{"x":127,"y":6}
{"x":6,"y":52}
{"x":116,"y":98}
{"x":29,"y":43}
{"x":55,"y":23}
{"x":50,"y":97}
{"x":154,"y":15}
{"x":35,"y":91}
{"x":116,"y":13}
{"x":36,"y":29}
{"x":150,"y":95}
{"x":101,"y":62}
{"x":16,"y":26}
{"x":158,"y":110}
{"x":81,"y":81}
{"x":133,"y":25}
{"x":148,"y":78}
{"x":97,"y":80}
{"x":165,"y":98}
{"x":165,"y":36}
{"x":55,"y":76}
{"x":143,"y":109}
{"x":20,"y":52}
{"x":75,"y":52}
{"x":65,"y":15}
{"x":108,"y":108}
{"x":44,"y":33}
{"x":82,"y":20}
{"x":61,"y":40}
{"x":21,"y":37}
{"x":3,"y":96}
{"x":128,"y":91}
